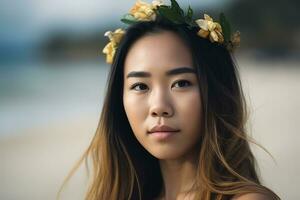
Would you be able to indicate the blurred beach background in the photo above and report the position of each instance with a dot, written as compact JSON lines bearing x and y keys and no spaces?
{"x":53,"y":78}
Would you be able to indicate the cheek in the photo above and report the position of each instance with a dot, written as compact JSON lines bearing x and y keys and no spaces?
{"x":190,"y":110}
{"x":136,"y":112}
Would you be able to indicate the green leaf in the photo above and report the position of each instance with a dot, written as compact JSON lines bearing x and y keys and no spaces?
{"x":176,"y":7}
{"x":129,"y":19}
{"x":171,"y":14}
{"x":225,"y":27}
{"x":189,"y":15}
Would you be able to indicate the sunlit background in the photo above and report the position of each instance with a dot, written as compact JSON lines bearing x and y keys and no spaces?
{"x":53,"y":76}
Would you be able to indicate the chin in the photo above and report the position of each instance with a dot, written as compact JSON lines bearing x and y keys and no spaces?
{"x":165,"y":154}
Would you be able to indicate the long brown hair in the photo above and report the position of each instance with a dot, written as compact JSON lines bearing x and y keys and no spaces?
{"x":123,"y":169}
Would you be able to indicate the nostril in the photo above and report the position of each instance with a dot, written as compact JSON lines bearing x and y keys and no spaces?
{"x":165,"y":113}
{"x":154,"y":114}
{"x":160,"y":114}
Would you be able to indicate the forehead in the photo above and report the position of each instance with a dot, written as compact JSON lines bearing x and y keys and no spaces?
{"x":159,"y":51}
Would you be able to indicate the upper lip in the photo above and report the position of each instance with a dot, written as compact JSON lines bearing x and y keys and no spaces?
{"x":162,"y":128}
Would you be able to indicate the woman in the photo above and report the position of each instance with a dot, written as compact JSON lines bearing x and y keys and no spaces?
{"x":173,"y":119}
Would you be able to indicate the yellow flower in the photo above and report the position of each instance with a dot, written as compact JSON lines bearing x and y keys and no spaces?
{"x":145,"y":11}
{"x":110,"y":49}
{"x":211,"y":29}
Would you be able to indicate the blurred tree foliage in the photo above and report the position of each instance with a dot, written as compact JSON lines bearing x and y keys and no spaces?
{"x":271,"y":27}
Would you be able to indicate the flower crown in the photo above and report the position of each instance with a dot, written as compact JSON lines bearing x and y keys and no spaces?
{"x":142,"y":11}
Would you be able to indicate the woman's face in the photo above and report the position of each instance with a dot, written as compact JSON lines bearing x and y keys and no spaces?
{"x":161,"y":89}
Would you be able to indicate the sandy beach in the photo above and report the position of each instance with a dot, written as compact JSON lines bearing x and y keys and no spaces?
{"x":35,"y":160}
{"x":34,"y":164}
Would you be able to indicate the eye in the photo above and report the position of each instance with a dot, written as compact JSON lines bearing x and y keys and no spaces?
{"x":182,"y":83}
{"x":139,"y":87}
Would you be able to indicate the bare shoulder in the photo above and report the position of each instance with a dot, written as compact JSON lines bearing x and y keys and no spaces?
{"x":252,"y":196}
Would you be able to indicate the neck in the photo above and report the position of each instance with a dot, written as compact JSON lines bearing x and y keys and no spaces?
{"x":178,"y":176}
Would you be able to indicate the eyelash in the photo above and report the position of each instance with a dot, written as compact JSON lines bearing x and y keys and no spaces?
{"x":139,"y":84}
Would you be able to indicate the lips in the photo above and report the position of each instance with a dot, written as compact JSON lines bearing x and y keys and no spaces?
{"x":162,"y":128}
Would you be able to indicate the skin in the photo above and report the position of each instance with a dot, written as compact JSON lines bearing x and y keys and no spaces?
{"x":172,"y":100}
{"x":252,"y":196}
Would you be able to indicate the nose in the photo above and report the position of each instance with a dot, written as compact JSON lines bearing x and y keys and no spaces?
{"x":161,"y":105}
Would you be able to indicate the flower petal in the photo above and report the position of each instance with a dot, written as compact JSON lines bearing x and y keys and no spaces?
{"x":203,"y":33}
{"x":207,"y":17}
{"x":202,"y":24}
{"x":211,"y":25}
{"x":107,"y":48}
{"x":109,"y":58}
{"x":220,"y":36}
{"x":144,"y":11}
{"x":213,"y":36}
{"x":218,"y":27}
{"x":109,"y":34}
{"x":117,"y":35}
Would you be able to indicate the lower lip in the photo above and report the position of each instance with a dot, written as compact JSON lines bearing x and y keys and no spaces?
{"x":163,"y":135}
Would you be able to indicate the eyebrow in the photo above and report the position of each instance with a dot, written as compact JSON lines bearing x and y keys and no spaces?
{"x":176,"y":71}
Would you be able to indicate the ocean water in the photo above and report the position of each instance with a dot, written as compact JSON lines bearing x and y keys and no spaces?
{"x":36,"y":93}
